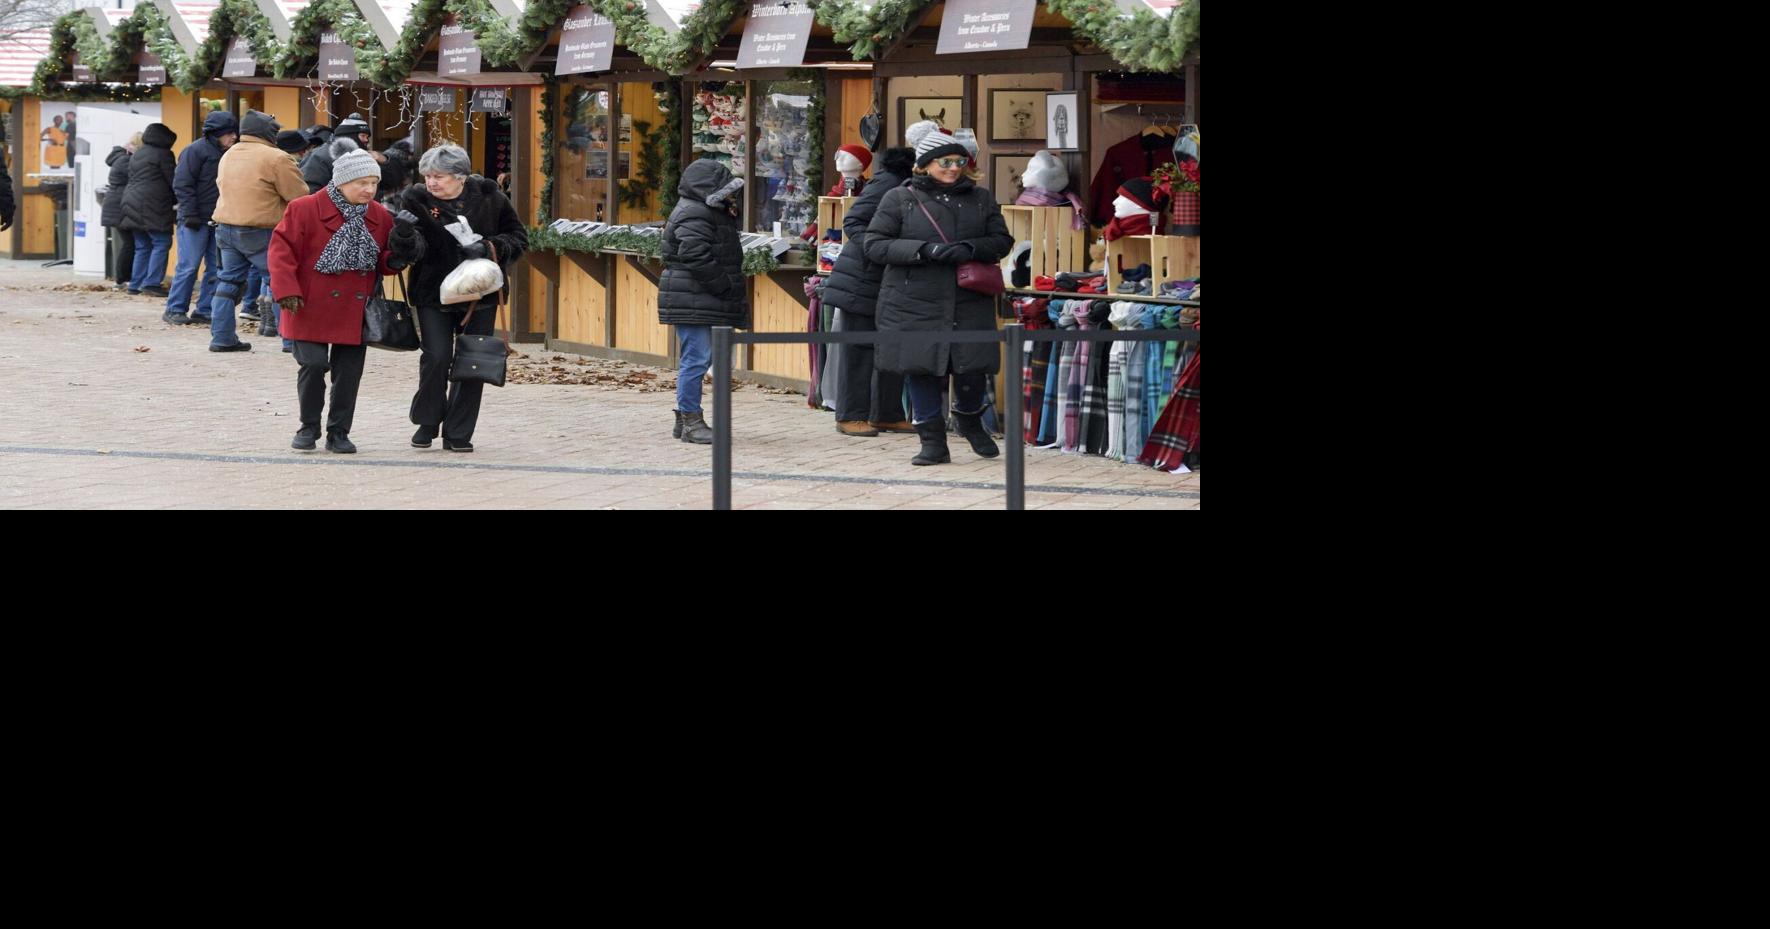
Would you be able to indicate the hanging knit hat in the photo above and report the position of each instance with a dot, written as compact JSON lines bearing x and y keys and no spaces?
{"x":354,"y":124}
{"x":1046,"y":172}
{"x":860,"y":153}
{"x":938,"y":145}
{"x":293,"y":141}
{"x":352,"y":166}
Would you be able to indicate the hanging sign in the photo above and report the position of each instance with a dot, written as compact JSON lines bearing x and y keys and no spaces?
{"x":776,"y":35}
{"x":490,"y":100}
{"x":436,"y":99}
{"x":151,"y":70}
{"x":457,"y":49}
{"x":586,"y":42}
{"x":240,"y":62}
{"x":81,"y":72}
{"x":337,"y":58}
{"x":985,"y":26}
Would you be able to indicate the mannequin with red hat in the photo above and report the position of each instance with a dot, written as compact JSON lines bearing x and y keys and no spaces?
{"x":1137,"y":210}
{"x":851,"y":162}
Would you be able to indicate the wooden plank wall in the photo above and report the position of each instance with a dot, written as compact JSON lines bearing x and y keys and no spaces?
{"x":637,"y":101}
{"x":583,"y":306}
{"x":777,"y":310}
{"x":636,"y":312}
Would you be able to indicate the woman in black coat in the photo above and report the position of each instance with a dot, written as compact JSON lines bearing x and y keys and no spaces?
{"x":920,"y":290}
{"x":869,"y":401}
{"x":703,"y":283}
{"x":150,"y":209}
{"x":110,"y":214}
{"x":451,"y":192}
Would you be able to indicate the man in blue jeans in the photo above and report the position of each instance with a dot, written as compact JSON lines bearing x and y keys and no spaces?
{"x":257,"y":182}
{"x":194,"y":186}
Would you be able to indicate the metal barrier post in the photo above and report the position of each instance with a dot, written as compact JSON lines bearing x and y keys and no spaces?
{"x":1014,"y":430}
{"x":721,"y":417}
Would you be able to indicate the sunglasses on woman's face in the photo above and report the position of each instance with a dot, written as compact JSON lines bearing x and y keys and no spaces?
{"x":950,"y":162}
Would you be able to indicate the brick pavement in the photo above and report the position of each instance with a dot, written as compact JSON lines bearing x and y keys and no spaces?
{"x":87,"y":421}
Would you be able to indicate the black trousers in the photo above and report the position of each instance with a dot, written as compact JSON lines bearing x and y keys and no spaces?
{"x":866,"y":393}
{"x":346,"y":364}
{"x":122,"y":254}
{"x":439,"y":401}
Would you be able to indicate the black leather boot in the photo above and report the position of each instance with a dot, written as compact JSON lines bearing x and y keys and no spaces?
{"x":933,"y":434}
{"x":304,"y":439}
{"x":972,"y":428}
{"x":696,"y":430}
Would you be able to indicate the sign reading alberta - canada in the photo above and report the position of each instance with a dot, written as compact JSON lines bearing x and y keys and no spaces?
{"x":458,"y":49}
{"x":337,"y":58}
{"x":586,"y":42}
{"x":776,"y":35}
{"x":985,"y":26}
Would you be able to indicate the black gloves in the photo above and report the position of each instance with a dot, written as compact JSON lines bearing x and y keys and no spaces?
{"x":476,"y":250}
{"x":940,"y":253}
{"x":404,"y":216}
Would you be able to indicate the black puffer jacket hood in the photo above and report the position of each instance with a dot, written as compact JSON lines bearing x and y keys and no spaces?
{"x":148,"y":202}
{"x":703,"y":282}
{"x":317,"y":169}
{"x":853,"y":286}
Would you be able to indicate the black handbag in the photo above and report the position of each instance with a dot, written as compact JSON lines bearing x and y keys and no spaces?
{"x":479,"y":357}
{"x":390,"y":324}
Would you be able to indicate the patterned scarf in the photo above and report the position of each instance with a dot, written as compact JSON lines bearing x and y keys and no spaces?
{"x":352,"y":247}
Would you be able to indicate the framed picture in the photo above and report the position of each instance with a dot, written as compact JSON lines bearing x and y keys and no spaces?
{"x":1063,"y":118}
{"x":1004,"y":175}
{"x":1017,"y":115}
{"x":943,"y":110}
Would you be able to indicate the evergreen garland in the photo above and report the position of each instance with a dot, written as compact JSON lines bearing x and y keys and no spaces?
{"x":814,"y":126}
{"x":758,"y":260}
{"x":234,"y":19}
{"x":1141,"y":41}
{"x":549,"y":106}
{"x":508,"y":45}
{"x":340,"y":16}
{"x":670,"y":101}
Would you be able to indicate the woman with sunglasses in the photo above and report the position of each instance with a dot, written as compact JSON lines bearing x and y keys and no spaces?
{"x":922,"y":232}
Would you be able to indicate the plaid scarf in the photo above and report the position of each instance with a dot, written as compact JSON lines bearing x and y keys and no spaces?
{"x":1171,"y":356}
{"x":1091,"y":425}
{"x":1177,"y":433}
{"x":352,"y":247}
{"x":1034,"y":314}
{"x":1074,"y":371}
{"x":1115,"y":401}
{"x":1136,"y":424}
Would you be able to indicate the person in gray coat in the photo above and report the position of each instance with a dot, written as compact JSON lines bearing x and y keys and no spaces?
{"x":703,"y":282}
{"x":921,"y":233}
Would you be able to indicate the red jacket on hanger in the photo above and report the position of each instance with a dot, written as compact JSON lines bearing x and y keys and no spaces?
{"x":1128,"y":159}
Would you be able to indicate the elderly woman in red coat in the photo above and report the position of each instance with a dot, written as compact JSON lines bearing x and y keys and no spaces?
{"x":326,"y":256}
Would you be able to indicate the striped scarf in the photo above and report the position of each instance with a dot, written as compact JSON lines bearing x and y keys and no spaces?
{"x":1073,"y":371}
{"x":352,"y":247}
{"x":1033,"y":314}
{"x":1091,"y":428}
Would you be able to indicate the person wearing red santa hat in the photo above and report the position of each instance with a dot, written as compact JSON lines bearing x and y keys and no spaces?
{"x":851,"y":161}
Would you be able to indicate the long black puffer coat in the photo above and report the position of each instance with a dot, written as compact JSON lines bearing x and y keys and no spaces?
{"x":111,"y":213}
{"x":148,"y":203}
{"x":703,"y":282}
{"x":854,"y":282}
{"x":490,"y":214}
{"x":918,"y":294}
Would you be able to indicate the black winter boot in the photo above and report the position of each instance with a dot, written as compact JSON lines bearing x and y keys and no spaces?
{"x":676,"y":433}
{"x":696,"y":430}
{"x":933,"y":433}
{"x":972,"y":428}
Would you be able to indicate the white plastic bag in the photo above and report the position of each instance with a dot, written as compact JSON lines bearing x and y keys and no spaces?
{"x":463,"y":232}
{"x":471,"y":280}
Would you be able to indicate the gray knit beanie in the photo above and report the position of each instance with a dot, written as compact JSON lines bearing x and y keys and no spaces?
{"x":351,"y":166}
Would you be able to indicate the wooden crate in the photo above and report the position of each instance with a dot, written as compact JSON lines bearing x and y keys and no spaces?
{"x":1170,"y":258}
{"x":830,"y":213}
{"x":1056,"y":247}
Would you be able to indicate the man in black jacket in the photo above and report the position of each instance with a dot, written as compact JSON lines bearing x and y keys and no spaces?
{"x":150,"y":209}
{"x":868,"y":400}
{"x":6,"y":205}
{"x":703,"y":282}
{"x":194,"y":186}
{"x":110,"y":213}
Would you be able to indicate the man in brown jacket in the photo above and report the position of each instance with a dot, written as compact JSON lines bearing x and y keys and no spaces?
{"x":257,"y":181}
